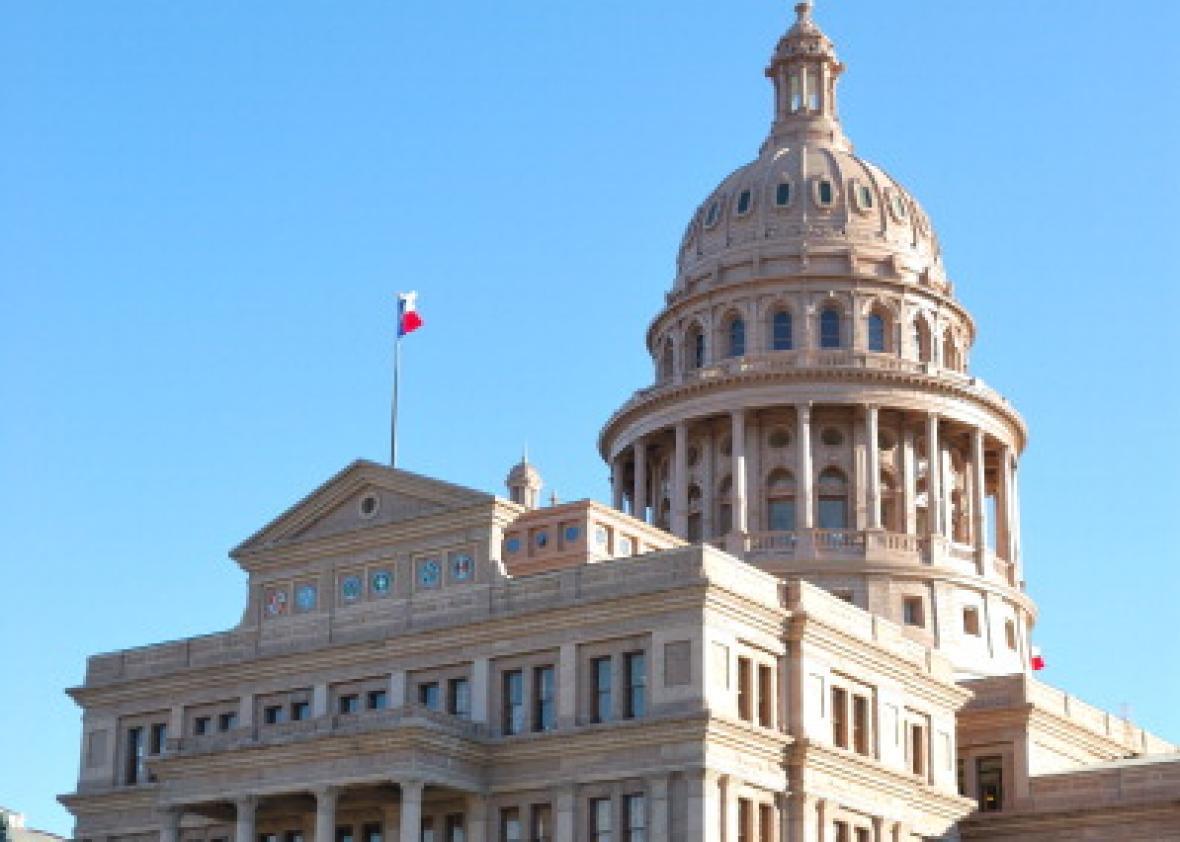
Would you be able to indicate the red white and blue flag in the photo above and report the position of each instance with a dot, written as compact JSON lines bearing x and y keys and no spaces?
{"x":408,"y":319}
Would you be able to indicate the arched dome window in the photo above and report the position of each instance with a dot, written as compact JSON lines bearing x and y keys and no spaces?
{"x":780,"y":501}
{"x":781,"y":331}
{"x":829,"y":328}
{"x":737,"y":337}
{"x":833,"y":499}
{"x":667,"y":361}
{"x":878,"y":332}
{"x":922,"y":344}
{"x":694,"y":514}
{"x":695,"y":348}
{"x":725,"y":506}
{"x":950,"y":353}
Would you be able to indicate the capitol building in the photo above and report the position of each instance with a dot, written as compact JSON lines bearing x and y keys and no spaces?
{"x":802,"y":619}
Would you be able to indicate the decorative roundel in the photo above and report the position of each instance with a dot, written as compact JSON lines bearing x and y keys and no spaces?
{"x":381,"y":582}
{"x":512,"y":545}
{"x":305,"y":597}
{"x":276,"y":603}
{"x":832,"y":437}
{"x":369,"y":505}
{"x":429,"y":573}
{"x":601,"y":536}
{"x":779,"y":438}
{"x":572,"y":533}
{"x":351,"y":588}
{"x":461,"y":567}
{"x":542,"y":539}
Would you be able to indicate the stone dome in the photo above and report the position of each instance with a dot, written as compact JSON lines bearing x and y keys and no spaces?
{"x":524,"y":473}
{"x":807,"y":189}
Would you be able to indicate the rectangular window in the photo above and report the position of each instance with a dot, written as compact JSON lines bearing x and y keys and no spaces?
{"x":782,"y":194}
{"x":743,"y":206}
{"x":159,"y":735}
{"x":917,"y":750}
{"x":349,"y":704}
{"x":745,"y":690}
{"x":782,"y":515}
{"x":427,"y":830}
{"x":962,"y":776}
{"x":839,"y":717}
{"x":371,"y":833}
{"x":765,"y":696}
{"x":344,"y":833}
{"x":745,"y":820}
{"x":300,"y":711}
{"x":133,"y":763}
{"x":971,"y":621}
{"x":227,"y":721}
{"x":377,"y":700}
{"x":510,"y":829}
{"x":600,"y":820}
{"x":634,"y":818}
{"x":1010,"y":634}
{"x":429,"y":696}
{"x":272,"y":714}
{"x":268,"y":837}
{"x":541,"y":829}
{"x":291,"y":836}
{"x":989,"y":771}
{"x":602,"y":701}
{"x":842,"y":832}
{"x":911,"y":609}
{"x":456,"y":828}
{"x":201,"y":726}
{"x":635,"y":673}
{"x":459,"y":697}
{"x":765,"y":823}
{"x":860,"y":724}
{"x":862,"y":834}
{"x":544,"y":699}
{"x":513,"y":698}
{"x":833,"y":513}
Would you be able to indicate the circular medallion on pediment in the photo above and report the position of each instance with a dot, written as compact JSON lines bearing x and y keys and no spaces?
{"x":306,"y":597}
{"x":381,"y":582}
{"x":462,"y":566}
{"x":351,"y":588}
{"x":429,"y":573}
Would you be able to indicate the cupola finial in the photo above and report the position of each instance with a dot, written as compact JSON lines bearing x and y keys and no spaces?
{"x":803,"y":10}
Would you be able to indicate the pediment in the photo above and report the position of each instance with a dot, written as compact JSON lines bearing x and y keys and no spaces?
{"x":364,"y":495}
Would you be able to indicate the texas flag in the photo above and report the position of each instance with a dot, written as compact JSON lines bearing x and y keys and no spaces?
{"x":1037,"y":661}
{"x":408,"y":319}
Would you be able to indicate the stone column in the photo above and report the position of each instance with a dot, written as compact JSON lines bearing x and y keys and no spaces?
{"x":170,"y":824}
{"x":475,"y":820}
{"x":729,"y":809}
{"x":567,"y":686}
{"x":1017,"y":538}
{"x":657,"y":809}
{"x":1004,"y":506}
{"x":411,"y":823}
{"x":879,"y":830}
{"x":680,"y":482}
{"x":872,"y":423}
{"x":244,"y":821}
{"x":933,"y":475}
{"x":481,"y":676}
{"x":616,"y":482}
{"x":564,"y":806}
{"x":909,"y":482}
{"x":739,"y":481}
{"x":703,"y":822}
{"x":804,"y":479}
{"x":709,"y":481}
{"x":823,"y":821}
{"x":755,"y":520}
{"x":979,"y":500}
{"x":639,"y":495}
{"x":325,"y":814}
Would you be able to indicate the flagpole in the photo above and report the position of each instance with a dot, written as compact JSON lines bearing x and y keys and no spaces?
{"x":397,"y":367}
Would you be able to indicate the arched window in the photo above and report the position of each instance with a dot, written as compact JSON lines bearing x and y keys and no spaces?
{"x":950,"y":354}
{"x":780,"y":501}
{"x":833,"y":499}
{"x":667,"y":361}
{"x":781,"y":333}
{"x":695,"y":348}
{"x":922,"y":340}
{"x":829,"y":328}
{"x":725,"y":506}
{"x":877,"y":332}
{"x":889,"y":503}
{"x":737,"y":338}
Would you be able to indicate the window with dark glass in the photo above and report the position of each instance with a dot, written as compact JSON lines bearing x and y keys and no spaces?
{"x":737,"y":338}
{"x":459,"y":697}
{"x":348,"y":704}
{"x":860,"y":724}
{"x":430,"y":696}
{"x":989,"y":772}
{"x":510,"y":827}
{"x":842,"y":832}
{"x":158,"y":735}
{"x":600,"y":820}
{"x":133,"y":763}
{"x":272,"y":714}
{"x":541,"y":822}
{"x":377,"y":700}
{"x":456,"y":828}
{"x":971,"y":621}
{"x":829,"y":328}
{"x":635,"y":674}
{"x":288,"y":836}
{"x":745,"y":820}
{"x":743,"y":203}
{"x":227,"y":721}
{"x":634,"y":818}
{"x":698,"y":350}
{"x":839,"y":717}
{"x":826,"y":193}
{"x":833,"y":500}
{"x":917,"y":749}
{"x":961,"y":772}
{"x":876,"y":332}
{"x":780,"y":501}
{"x":344,"y":833}
{"x":782,"y":194}
{"x":300,"y":711}
{"x":780,"y":331}
{"x":765,"y":696}
{"x":201,"y":725}
{"x":513,"y":693}
{"x":427,"y":829}
{"x":911,"y":607}
{"x":862,"y":834}
{"x":602,"y":700}
{"x":371,"y":832}
{"x":765,"y":823}
{"x":544,"y":698}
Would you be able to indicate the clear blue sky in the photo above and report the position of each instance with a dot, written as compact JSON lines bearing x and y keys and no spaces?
{"x":205,"y":210}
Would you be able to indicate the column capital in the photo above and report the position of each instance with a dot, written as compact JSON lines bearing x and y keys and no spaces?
{"x":246,"y":802}
{"x":411,"y":784}
{"x":170,"y":814}
{"x":326,"y":793}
